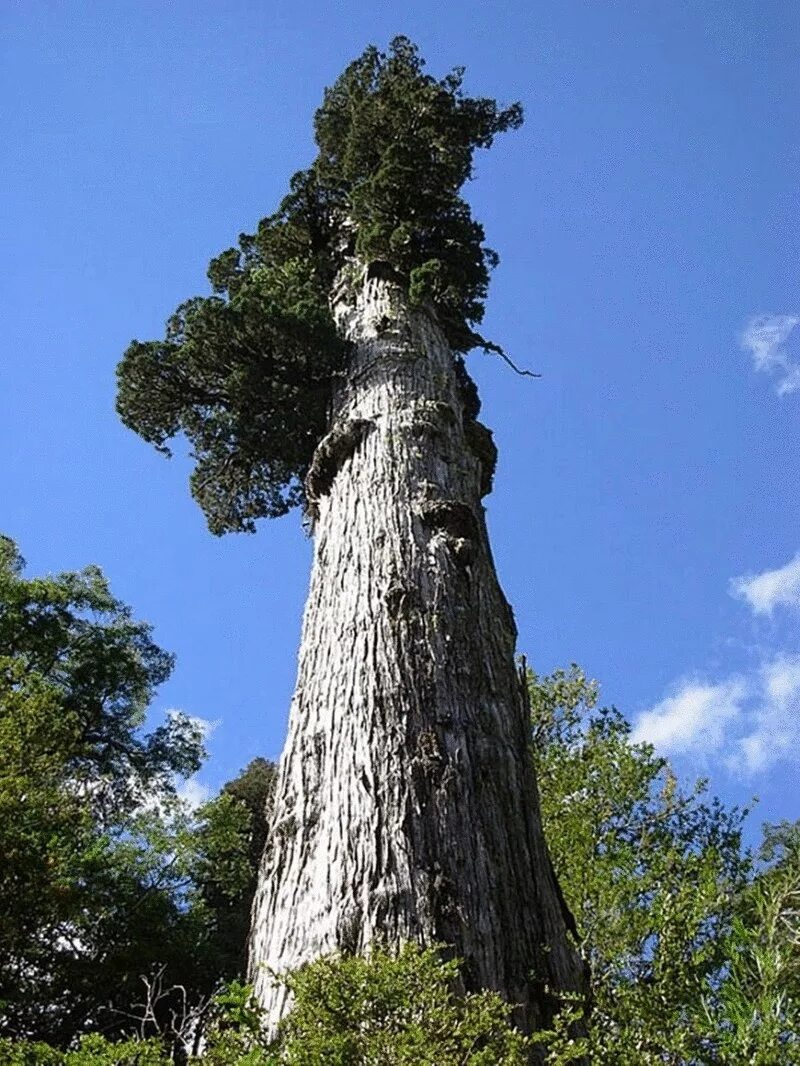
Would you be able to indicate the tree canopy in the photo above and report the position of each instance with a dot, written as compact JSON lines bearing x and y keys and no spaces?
{"x":247,"y":374}
{"x":77,"y":775}
{"x":693,"y":943}
{"x":106,"y":878}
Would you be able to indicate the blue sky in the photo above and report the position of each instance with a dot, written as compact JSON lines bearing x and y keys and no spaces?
{"x":646,"y":515}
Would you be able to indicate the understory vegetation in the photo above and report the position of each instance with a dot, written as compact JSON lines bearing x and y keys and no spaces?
{"x":125,"y":914}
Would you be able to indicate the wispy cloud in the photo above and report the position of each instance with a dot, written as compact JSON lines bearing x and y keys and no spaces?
{"x":771,"y":588}
{"x":775,"y":723}
{"x":749,"y":720}
{"x":694,"y":718}
{"x":750,"y":723}
{"x":764,"y":338}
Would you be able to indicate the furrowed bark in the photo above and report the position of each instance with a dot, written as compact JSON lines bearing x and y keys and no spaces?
{"x":406,"y":807}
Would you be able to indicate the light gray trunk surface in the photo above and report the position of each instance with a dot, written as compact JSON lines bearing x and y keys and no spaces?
{"x":406,"y":806}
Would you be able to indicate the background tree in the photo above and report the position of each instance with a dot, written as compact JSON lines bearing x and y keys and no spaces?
{"x":327,"y":368}
{"x":79,"y":872}
{"x":693,"y":951}
{"x":753,"y":1013}
{"x":105,"y":879}
{"x":226,"y":848}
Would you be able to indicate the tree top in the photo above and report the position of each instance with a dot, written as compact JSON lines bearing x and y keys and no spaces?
{"x":247,"y":374}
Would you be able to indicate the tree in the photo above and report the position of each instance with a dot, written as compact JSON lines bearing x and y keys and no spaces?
{"x":693,"y":952}
{"x":226,"y":846}
{"x":122,"y":911}
{"x":87,"y":904}
{"x":212,"y":856}
{"x":327,"y":370}
{"x":753,"y":1013}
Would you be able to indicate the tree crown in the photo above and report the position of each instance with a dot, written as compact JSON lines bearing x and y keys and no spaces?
{"x":247,"y":374}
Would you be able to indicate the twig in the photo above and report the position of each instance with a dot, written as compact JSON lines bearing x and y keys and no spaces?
{"x":522,"y":373}
{"x":490,"y":346}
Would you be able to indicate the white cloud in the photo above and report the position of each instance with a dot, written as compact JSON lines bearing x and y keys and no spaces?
{"x":764,"y":338}
{"x":193,"y":793}
{"x":770,"y":588}
{"x":695,"y":718}
{"x":775,"y":723}
{"x":750,"y":723}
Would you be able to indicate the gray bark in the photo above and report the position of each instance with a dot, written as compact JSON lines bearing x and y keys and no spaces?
{"x":406,"y":806}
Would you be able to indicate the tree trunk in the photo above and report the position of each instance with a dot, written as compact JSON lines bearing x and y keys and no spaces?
{"x":406,"y":807}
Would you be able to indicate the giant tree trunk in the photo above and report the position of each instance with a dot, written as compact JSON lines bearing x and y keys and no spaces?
{"x":406,"y":807}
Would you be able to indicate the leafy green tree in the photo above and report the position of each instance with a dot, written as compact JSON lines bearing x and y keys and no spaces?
{"x":226,"y":844}
{"x":753,"y":1012}
{"x":92,"y":1050}
{"x":109,"y":887}
{"x":85,"y":878}
{"x":693,"y":952}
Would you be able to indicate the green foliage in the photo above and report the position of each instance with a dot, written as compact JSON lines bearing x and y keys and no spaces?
{"x":247,"y":380}
{"x":76,"y":773}
{"x":247,"y":375}
{"x":226,"y":845}
{"x":395,"y":148}
{"x":693,"y":956}
{"x":93,"y":1050}
{"x":236,"y":1034}
{"x":753,"y":1014}
{"x":391,"y":1009}
{"x":121,"y":910}
{"x":394,"y":1009}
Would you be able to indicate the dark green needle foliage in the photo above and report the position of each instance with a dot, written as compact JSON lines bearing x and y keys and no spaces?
{"x":247,"y":374}
{"x":247,"y":378}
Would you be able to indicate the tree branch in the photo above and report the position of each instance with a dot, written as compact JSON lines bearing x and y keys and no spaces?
{"x":495,"y":349}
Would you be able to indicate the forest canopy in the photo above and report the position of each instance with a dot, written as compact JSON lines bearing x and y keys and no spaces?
{"x":247,"y":374}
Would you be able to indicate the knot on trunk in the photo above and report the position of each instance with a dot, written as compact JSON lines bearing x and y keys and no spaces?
{"x":401,"y":599}
{"x":453,"y":517}
{"x":329,"y":456}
